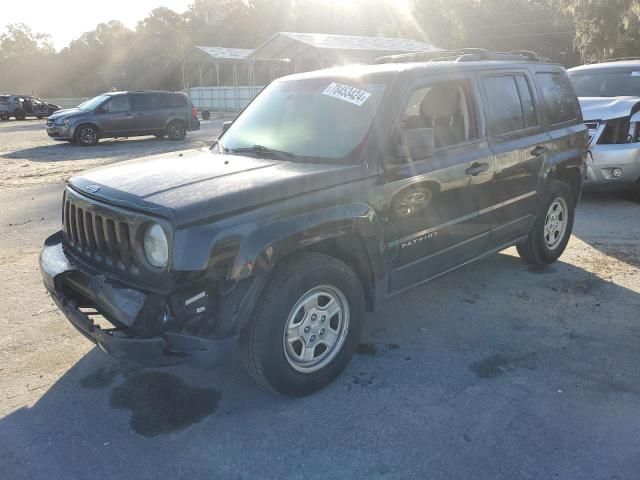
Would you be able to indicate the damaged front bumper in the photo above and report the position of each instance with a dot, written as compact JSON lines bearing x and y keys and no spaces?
{"x":615,"y":167}
{"x":75,"y":288}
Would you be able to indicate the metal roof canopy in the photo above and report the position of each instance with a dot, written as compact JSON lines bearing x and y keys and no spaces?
{"x":288,"y":45}
{"x":217,"y":54}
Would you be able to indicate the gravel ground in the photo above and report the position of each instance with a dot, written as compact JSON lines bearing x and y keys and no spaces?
{"x":496,"y":371}
{"x":29,"y":157}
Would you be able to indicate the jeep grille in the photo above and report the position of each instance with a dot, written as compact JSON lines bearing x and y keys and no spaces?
{"x":98,"y":236}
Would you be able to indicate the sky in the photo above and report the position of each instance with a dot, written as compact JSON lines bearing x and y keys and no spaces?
{"x":66,"y":20}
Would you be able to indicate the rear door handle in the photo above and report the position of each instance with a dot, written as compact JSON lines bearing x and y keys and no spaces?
{"x":539,"y":151}
{"x":476,"y":169}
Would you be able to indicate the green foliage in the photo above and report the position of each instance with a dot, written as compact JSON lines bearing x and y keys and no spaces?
{"x":604,"y":28}
{"x":112,"y":55}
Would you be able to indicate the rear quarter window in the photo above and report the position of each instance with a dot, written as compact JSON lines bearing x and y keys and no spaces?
{"x":558,"y":96}
{"x":176,"y":100}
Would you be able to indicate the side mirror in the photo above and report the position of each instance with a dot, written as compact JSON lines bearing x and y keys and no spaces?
{"x":415,"y":144}
{"x":226,"y":125}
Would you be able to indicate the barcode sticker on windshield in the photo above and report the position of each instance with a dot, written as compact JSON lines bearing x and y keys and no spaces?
{"x":348,"y":94}
{"x":635,"y":74}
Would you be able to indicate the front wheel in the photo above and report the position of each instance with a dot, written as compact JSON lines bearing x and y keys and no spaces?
{"x":87,"y":135}
{"x":176,"y":130}
{"x":307,"y":325}
{"x":550,"y":234}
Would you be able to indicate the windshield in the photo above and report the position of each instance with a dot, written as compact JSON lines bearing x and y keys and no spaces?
{"x":319,"y":118}
{"x":606,"y":83}
{"x":93,"y":103}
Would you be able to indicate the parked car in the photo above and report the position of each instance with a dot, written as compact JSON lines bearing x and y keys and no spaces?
{"x":331,"y":193}
{"x":52,"y":108}
{"x":21,"y":107}
{"x":125,"y":114}
{"x":609,"y":94}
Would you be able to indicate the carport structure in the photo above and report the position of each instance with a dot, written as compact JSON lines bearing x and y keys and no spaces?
{"x":228,"y":78}
{"x":309,"y":51}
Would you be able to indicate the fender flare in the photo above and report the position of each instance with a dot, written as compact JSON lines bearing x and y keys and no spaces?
{"x":263,"y":248}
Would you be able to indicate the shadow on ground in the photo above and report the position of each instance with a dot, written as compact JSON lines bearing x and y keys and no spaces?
{"x":108,"y":148}
{"x":491,"y":372}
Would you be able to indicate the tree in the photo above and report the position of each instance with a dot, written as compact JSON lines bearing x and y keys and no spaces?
{"x":604,"y":28}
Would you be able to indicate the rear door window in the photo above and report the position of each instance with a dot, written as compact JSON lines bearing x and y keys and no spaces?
{"x":526,"y":99}
{"x":511,"y":104}
{"x":505,"y":108}
{"x":558,"y":97}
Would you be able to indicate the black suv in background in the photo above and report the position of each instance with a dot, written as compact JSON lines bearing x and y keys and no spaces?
{"x":23,"y":106}
{"x":125,"y":114}
{"x":331,"y":192}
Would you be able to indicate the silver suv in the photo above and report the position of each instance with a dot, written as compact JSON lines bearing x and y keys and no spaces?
{"x":125,"y":114}
{"x":609,"y":95}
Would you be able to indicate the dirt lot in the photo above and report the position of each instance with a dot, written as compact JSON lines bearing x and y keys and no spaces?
{"x":496,"y":371}
{"x":29,"y":157}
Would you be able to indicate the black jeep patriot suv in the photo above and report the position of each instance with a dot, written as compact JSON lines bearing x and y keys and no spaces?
{"x":332,"y":192}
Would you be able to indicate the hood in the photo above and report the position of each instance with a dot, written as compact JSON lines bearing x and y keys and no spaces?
{"x":68,"y":112}
{"x":199,"y":184}
{"x":608,"y":108}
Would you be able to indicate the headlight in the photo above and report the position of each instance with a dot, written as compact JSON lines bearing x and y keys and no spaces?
{"x":156,"y":247}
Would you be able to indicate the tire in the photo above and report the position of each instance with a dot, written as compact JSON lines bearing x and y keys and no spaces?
{"x":551,"y":232}
{"x":177,"y":130}
{"x":206,"y":114}
{"x":20,"y":115}
{"x":159,"y":135}
{"x":39,"y":117}
{"x":270,"y":354}
{"x":87,"y":135}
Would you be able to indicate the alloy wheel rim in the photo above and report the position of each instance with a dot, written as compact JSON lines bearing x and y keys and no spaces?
{"x":88,"y":135}
{"x":177,"y":131}
{"x":316,"y":329}
{"x":414,"y":202}
{"x":555,"y":224}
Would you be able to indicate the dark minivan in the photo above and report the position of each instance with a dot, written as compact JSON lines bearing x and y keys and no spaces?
{"x":332,"y":192}
{"x":125,"y":114}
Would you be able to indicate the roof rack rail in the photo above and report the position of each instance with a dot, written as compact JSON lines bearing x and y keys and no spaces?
{"x":463,"y":55}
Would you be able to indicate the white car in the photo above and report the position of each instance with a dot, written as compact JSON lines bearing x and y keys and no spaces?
{"x":609,"y":95}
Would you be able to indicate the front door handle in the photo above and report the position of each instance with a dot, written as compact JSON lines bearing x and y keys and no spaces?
{"x":539,"y":151}
{"x":476,"y":169}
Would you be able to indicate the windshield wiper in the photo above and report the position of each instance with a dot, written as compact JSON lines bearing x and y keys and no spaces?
{"x":261,"y":149}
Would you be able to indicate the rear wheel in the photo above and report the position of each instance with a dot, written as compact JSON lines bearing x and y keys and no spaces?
{"x":306,"y":327}
{"x":177,"y":130}
{"x":550,"y":234}
{"x":20,"y":115}
{"x":87,"y":135}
